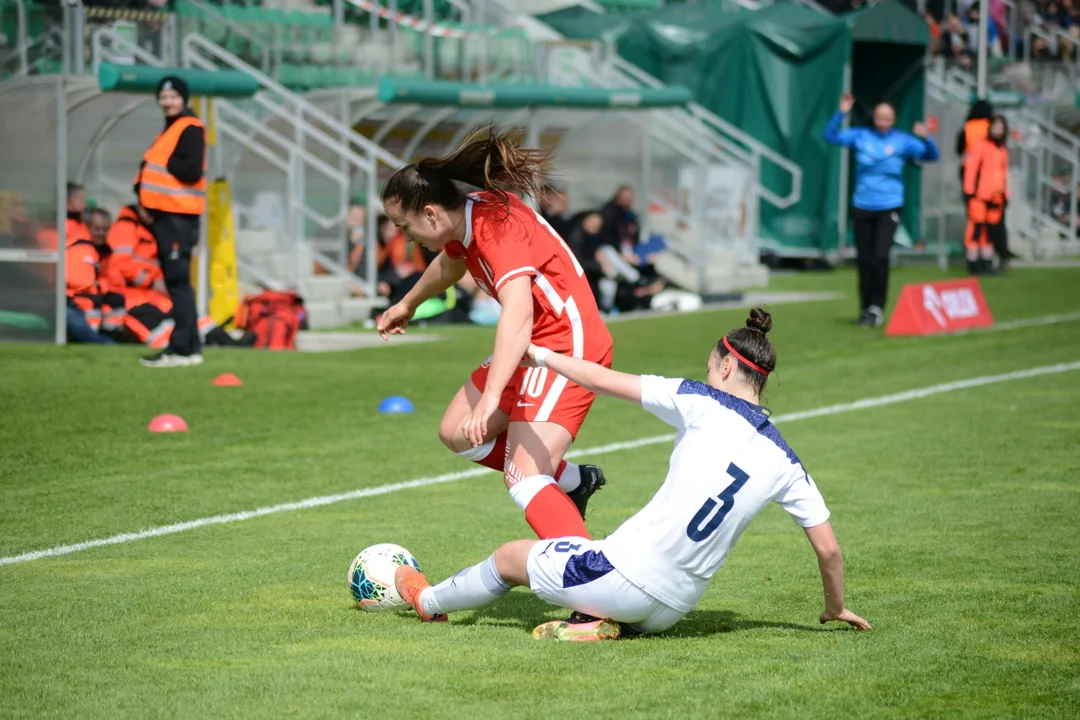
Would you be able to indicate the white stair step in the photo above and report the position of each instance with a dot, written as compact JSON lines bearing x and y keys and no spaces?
{"x":323,"y":287}
{"x":335,"y":313}
{"x":255,"y":242}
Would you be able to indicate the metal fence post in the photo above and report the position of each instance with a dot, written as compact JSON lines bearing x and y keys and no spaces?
{"x":845,"y":162}
{"x":752,"y":230}
{"x":646,"y":171}
{"x":80,"y":39}
{"x":21,"y":40}
{"x":61,"y":212}
{"x":429,"y":41}
{"x":370,"y":239}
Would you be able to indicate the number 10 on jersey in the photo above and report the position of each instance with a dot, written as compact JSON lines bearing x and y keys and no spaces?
{"x":702,"y":525}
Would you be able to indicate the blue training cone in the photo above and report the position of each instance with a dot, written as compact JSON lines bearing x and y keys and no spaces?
{"x":395,"y":404}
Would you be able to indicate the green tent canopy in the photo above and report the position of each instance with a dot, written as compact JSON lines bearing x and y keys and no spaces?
{"x":888,"y":22}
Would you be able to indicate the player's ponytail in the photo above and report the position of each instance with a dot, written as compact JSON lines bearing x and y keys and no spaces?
{"x":749,"y":346}
{"x":489,"y":159}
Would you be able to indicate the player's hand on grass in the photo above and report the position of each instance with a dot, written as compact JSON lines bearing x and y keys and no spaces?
{"x":394,"y":320}
{"x":475,"y":428}
{"x":847,"y":616}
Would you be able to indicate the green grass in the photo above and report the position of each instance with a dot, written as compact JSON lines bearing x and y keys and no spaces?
{"x":957,"y":515}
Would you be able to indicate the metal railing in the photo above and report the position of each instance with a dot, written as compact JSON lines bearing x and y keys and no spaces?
{"x":263,"y":50}
{"x":318,"y":143}
{"x":291,"y":136}
{"x":1054,"y":37}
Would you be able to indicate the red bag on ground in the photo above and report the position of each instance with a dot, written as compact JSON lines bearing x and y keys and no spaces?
{"x":273,"y":317}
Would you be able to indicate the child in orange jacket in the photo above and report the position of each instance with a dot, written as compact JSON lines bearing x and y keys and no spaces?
{"x":986,"y":187}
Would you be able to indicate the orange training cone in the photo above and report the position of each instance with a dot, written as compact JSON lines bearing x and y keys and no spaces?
{"x":227,"y":380}
{"x":167,"y":423}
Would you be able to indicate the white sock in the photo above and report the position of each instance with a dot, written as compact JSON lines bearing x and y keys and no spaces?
{"x":570,"y":478}
{"x":477,"y":453}
{"x":471,"y":588}
{"x":523,"y":492}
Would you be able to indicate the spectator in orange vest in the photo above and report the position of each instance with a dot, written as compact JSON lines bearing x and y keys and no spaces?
{"x":98,"y":222}
{"x":986,"y":186}
{"x":81,"y":265}
{"x":171,"y":188}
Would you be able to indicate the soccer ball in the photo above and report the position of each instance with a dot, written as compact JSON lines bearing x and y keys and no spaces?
{"x":371,"y":577}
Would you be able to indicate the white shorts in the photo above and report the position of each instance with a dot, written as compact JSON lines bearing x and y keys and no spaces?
{"x":573,"y":572}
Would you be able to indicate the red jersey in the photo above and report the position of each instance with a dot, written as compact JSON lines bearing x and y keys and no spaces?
{"x":499,"y":247}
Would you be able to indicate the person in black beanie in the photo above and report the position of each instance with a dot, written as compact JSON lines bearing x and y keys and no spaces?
{"x":171,"y":190}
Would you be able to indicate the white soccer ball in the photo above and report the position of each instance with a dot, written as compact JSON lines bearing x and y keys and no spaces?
{"x":371,"y":577}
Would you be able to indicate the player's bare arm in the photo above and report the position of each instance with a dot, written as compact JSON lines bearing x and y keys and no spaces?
{"x":511,"y":341}
{"x":831,"y":565}
{"x":591,"y":376}
{"x":443,"y":272}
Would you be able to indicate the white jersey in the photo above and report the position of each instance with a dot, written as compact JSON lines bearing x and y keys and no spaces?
{"x":729,"y":462}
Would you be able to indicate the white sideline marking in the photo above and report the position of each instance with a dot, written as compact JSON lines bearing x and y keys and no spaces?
{"x":452,"y":477}
{"x":1031,"y":322}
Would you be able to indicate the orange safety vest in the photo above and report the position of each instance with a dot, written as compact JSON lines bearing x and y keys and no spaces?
{"x":986,"y":175}
{"x":158,"y":189}
{"x":974,"y":131}
{"x":81,"y":261}
{"x":134,"y":251}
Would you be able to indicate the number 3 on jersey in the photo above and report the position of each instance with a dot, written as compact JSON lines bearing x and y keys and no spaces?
{"x":702,"y":525}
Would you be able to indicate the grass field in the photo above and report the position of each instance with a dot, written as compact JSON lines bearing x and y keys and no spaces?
{"x":957,"y":513}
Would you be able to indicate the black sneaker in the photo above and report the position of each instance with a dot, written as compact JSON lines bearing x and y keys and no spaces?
{"x":592,"y":479}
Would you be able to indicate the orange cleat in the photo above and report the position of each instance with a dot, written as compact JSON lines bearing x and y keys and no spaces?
{"x":410,"y":582}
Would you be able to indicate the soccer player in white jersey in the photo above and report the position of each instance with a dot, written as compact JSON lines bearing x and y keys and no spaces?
{"x":729,"y":462}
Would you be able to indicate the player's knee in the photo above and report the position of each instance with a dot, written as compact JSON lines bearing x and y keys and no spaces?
{"x":450,"y":435}
{"x":512,"y":560}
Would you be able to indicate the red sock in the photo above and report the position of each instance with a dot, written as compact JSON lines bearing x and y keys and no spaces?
{"x":494,"y":459}
{"x":552,"y":514}
{"x":559,"y":470}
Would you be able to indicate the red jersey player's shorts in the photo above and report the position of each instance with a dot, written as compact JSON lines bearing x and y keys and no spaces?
{"x":542,"y":395}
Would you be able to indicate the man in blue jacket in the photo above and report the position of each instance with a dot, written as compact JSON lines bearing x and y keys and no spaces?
{"x":881,"y":152}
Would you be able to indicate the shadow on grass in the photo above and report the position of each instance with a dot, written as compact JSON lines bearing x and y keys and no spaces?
{"x":526,"y":611}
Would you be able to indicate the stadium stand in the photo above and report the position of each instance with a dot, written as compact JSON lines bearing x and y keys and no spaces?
{"x":333,"y":75}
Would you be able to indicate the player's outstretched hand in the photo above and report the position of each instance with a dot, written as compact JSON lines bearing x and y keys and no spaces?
{"x":394,"y":320}
{"x":847,"y":616}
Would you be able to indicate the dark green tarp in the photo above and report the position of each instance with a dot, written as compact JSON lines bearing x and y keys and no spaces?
{"x":777,"y":74}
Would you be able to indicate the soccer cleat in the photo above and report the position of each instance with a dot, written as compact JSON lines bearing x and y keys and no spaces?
{"x":577,"y":618}
{"x":577,"y":632}
{"x":865,"y":320}
{"x":876,"y":316}
{"x":410,"y":582}
{"x":166,"y":359}
{"x":592,"y":479}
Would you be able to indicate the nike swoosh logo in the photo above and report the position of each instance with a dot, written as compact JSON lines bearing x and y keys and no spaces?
{"x":524,"y":404}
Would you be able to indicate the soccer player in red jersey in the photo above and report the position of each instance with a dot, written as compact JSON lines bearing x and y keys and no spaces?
{"x":517,"y":420}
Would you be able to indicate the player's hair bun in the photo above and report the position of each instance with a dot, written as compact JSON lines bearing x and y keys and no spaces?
{"x":759,"y":320}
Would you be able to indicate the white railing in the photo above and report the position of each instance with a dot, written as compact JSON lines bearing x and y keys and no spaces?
{"x":318,"y":140}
